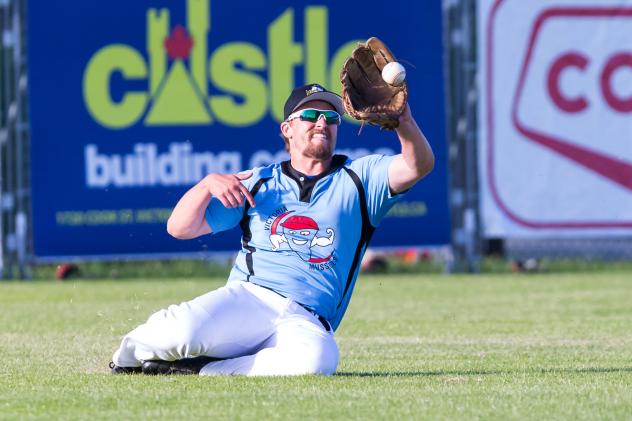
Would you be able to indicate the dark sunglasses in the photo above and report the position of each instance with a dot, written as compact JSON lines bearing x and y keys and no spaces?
{"x":312,"y":115}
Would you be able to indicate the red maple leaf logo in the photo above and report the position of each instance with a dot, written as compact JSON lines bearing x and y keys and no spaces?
{"x":179,"y":43}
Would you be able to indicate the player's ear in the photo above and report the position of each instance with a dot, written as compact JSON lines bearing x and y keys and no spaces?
{"x":286,"y":129}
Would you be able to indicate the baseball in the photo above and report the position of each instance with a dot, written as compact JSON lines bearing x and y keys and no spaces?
{"x":394,"y":73}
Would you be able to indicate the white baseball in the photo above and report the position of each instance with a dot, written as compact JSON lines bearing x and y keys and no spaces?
{"x":394,"y":73}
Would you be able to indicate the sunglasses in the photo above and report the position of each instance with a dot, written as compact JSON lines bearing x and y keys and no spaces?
{"x":312,"y":115}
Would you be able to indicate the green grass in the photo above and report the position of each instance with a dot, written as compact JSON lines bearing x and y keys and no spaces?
{"x":499,"y":346}
{"x":200,"y":268}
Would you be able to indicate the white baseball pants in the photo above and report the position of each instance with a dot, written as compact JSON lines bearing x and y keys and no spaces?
{"x":255,"y":331}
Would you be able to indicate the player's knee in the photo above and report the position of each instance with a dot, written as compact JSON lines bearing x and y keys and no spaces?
{"x":321,"y":358}
{"x":327,"y":363}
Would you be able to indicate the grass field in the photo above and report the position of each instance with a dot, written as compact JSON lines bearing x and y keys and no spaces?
{"x":547,"y":346}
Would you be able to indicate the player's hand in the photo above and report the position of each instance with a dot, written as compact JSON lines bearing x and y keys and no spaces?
{"x":227,"y":188}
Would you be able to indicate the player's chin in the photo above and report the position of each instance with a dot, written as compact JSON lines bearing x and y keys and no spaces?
{"x":320,"y":152}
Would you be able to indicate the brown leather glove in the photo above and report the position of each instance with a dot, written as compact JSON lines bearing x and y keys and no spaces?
{"x":366,"y":96}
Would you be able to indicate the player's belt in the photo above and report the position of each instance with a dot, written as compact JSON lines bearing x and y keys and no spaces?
{"x":320,"y":318}
{"x":324,"y":322}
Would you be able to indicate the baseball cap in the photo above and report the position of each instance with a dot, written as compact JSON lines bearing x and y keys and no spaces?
{"x":311,"y":92}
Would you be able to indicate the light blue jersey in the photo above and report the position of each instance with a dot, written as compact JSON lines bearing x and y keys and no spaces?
{"x":307,"y":235}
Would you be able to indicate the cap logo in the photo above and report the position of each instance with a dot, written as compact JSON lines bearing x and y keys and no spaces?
{"x":314,"y":89}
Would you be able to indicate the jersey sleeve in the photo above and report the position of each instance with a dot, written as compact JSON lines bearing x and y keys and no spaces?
{"x":221,"y":218}
{"x":373,"y":172}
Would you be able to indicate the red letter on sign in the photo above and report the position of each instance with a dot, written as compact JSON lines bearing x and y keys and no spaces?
{"x":613,"y":64}
{"x":570,"y":105}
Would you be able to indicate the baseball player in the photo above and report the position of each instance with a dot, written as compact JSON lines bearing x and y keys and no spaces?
{"x":306,"y":223}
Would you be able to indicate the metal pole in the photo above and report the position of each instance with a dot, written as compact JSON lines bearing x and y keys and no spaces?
{"x":8,"y":199}
{"x":3,"y":130}
{"x":21,"y":192}
{"x":7,"y":138}
{"x":460,"y":18}
{"x":471,"y":216}
{"x":13,"y":143}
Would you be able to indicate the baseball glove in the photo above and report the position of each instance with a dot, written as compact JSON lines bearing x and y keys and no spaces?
{"x":366,"y":96}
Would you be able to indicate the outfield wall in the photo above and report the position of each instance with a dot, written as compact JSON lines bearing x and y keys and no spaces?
{"x":132,"y":102}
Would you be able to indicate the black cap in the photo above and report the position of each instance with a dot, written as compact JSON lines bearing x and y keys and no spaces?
{"x":311,"y":92}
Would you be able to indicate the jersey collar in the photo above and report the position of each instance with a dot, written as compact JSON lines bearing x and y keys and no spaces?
{"x":306,"y":183}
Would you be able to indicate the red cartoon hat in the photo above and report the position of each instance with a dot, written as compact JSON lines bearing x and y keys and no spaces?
{"x":298,"y":222}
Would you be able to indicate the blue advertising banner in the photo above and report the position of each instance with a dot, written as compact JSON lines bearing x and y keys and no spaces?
{"x":133,"y":102}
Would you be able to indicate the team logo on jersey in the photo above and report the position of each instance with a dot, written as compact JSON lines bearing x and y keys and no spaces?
{"x":300,"y":234}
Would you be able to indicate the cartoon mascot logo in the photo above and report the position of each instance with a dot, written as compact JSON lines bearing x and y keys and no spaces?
{"x":299,"y":234}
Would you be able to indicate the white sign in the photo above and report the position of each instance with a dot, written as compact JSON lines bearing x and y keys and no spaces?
{"x":555,"y":151}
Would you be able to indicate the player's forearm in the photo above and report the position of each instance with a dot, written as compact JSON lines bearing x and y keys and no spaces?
{"x":416,"y":159}
{"x":416,"y":150}
{"x":188,"y":217}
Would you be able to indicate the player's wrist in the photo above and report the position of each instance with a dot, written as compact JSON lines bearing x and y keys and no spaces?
{"x":407,"y":128}
{"x":207,"y":183}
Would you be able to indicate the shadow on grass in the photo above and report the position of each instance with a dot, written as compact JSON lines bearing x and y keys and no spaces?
{"x":483,"y":372}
